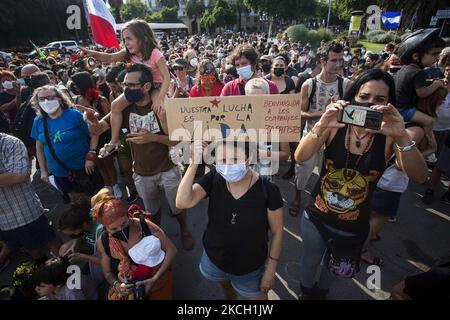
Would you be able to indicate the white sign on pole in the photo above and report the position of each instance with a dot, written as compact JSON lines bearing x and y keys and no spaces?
{"x":433,"y":21}
{"x":443,"y":14}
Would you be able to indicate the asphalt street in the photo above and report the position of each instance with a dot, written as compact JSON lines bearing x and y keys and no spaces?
{"x":407,"y":247}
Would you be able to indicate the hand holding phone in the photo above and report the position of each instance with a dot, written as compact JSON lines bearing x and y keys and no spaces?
{"x":361,"y":116}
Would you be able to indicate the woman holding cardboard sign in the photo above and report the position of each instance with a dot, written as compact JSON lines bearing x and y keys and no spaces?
{"x":335,"y":226}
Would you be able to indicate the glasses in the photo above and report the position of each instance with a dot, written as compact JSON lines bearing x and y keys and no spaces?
{"x":207,"y":71}
{"x":132,"y":85}
{"x":42,"y":99}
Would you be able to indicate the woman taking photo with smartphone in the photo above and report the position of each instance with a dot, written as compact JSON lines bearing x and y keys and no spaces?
{"x":335,"y":226}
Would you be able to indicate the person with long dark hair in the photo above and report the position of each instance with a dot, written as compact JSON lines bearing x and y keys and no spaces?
{"x":335,"y":226}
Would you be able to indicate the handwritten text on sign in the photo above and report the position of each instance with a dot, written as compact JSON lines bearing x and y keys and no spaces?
{"x":237,"y":113}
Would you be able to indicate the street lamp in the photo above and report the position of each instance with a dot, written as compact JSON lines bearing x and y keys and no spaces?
{"x":329,"y":13}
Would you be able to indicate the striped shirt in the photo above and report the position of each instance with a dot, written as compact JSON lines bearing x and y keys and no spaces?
{"x":19,"y":204}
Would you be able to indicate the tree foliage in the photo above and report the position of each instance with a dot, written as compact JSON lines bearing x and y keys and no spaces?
{"x":134,"y":9}
{"x":195,"y":8}
{"x":168,"y":3}
{"x":220,"y":15}
{"x":343,"y":8}
{"x":115,"y":9}
{"x":165,"y":15}
{"x":288,"y":9}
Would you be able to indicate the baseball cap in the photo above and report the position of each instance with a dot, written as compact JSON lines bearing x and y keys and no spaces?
{"x":180,"y":62}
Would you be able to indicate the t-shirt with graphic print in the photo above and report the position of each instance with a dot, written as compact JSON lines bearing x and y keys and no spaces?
{"x":322,"y":97}
{"x":341,"y":196}
{"x":149,"y":158}
{"x":69,"y":136}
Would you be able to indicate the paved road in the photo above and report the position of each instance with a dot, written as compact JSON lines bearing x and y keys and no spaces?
{"x":407,"y":247}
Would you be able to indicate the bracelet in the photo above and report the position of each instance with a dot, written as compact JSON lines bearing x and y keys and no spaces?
{"x":92,"y":151}
{"x":114,"y":284}
{"x":271,"y":258}
{"x":89,"y":158}
{"x":406,"y":148}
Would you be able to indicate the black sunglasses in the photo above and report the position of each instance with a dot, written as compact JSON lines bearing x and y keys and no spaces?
{"x":207,"y":71}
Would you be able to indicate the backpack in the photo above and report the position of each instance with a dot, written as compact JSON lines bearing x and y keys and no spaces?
{"x":23,"y":123}
{"x":314,"y":87}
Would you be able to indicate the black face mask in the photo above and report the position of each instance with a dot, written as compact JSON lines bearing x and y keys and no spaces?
{"x":27,"y":81}
{"x":122,"y":235}
{"x":266,"y":68}
{"x":278,"y":71}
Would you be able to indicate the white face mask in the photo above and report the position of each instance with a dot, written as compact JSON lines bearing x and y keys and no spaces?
{"x":194,"y":62}
{"x":232,"y":172}
{"x":49,"y":106}
{"x":7,"y":85}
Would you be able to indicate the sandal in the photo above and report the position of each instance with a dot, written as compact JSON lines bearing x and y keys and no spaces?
{"x":107,"y":151}
{"x":294,"y":209}
{"x":377,"y":261}
{"x":377,"y":238}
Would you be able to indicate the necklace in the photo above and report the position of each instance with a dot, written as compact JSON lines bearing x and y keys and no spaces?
{"x":234,"y":215}
{"x":347,"y":144}
{"x":358,"y":138}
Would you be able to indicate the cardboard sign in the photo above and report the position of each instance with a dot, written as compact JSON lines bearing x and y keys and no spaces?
{"x":193,"y":118}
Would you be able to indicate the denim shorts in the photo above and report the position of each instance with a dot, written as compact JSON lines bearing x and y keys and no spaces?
{"x":247,"y":285}
{"x":385,"y":202}
{"x":407,"y":113}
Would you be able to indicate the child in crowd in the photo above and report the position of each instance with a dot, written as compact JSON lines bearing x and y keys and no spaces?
{"x":140,"y":47}
{"x":53,"y":282}
{"x":418,"y":50}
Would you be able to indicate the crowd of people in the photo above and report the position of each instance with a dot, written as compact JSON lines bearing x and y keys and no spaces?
{"x":88,"y":119}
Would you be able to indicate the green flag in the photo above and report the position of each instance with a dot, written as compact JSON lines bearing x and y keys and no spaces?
{"x":39,"y":52}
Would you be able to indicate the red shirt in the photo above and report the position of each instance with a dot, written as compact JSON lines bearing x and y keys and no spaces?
{"x":232,"y":87}
{"x":215,"y":92}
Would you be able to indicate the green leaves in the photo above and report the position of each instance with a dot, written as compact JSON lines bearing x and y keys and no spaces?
{"x":220,"y":15}
{"x":134,"y":9}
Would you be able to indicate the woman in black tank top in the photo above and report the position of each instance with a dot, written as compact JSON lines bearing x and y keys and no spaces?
{"x":278,"y":75}
{"x":336,"y":224}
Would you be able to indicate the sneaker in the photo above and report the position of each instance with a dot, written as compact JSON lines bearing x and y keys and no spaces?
{"x":392,"y":220}
{"x":133,"y":197}
{"x":431,"y":158}
{"x":428,"y":197}
{"x":446,"y":197}
{"x":116,"y":191}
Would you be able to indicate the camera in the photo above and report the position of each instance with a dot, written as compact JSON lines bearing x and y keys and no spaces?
{"x":361,"y":116}
{"x":138,"y":291}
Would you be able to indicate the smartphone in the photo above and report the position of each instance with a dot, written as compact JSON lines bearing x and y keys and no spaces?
{"x":361,"y":117}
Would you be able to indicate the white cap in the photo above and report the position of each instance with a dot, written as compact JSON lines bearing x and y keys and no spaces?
{"x":147,"y":252}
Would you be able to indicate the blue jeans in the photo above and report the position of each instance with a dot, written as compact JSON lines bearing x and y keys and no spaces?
{"x":314,"y":250}
{"x":247,"y":285}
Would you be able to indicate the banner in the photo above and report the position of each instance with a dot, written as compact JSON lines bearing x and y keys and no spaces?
{"x":102,"y":24}
{"x":391,"y":20}
{"x":252,"y":117}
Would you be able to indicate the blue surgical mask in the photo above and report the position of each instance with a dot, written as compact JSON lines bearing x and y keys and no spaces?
{"x":245,"y":72}
{"x":232,"y":172}
{"x":133,"y":95}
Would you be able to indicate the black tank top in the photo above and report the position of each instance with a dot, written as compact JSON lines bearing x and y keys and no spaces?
{"x":341,"y":197}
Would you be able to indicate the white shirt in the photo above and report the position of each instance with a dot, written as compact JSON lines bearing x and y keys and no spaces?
{"x":443,"y":116}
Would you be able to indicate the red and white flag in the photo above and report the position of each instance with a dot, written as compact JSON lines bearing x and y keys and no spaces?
{"x":103,"y":24}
